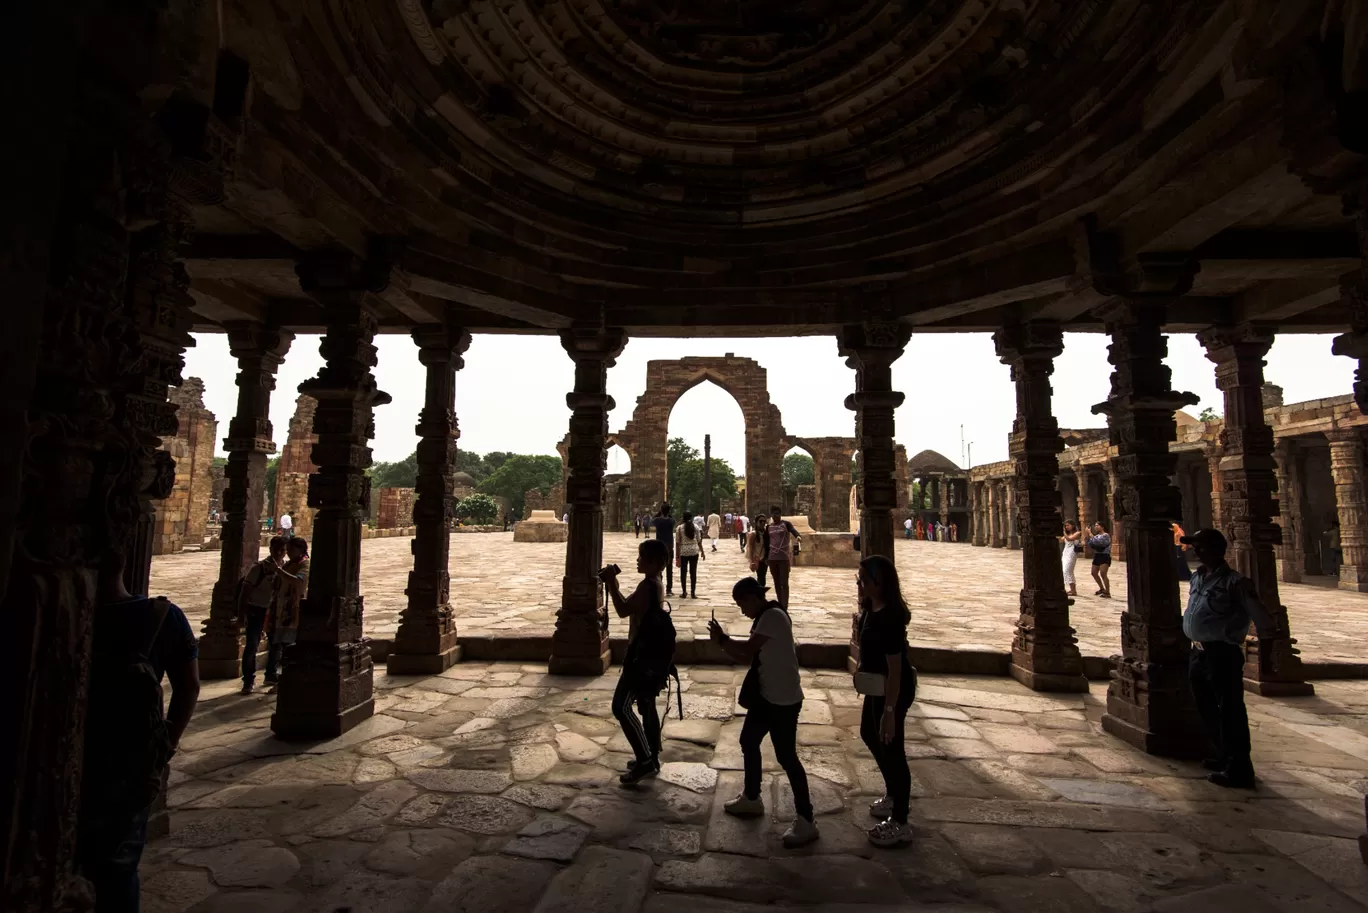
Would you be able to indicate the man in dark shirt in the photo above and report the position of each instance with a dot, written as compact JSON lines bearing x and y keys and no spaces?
{"x":664,"y":532}
{"x":111,"y":834}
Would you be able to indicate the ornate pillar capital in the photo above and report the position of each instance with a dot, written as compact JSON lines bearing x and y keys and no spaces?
{"x":440,"y":344}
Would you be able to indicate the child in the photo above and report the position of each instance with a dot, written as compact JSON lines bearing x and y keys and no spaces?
{"x":638,"y":682}
{"x":774,"y":709}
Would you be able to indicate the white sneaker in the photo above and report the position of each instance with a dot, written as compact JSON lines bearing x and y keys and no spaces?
{"x":890,"y":833}
{"x":801,"y":832}
{"x":744,"y":807}
{"x":882,"y":809}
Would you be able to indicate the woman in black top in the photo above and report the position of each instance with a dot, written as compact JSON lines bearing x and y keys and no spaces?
{"x":883,"y":651}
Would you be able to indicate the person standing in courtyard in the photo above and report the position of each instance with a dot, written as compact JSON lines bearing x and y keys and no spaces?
{"x":773,"y":699}
{"x":637,"y":683}
{"x":286,"y":525}
{"x":292,"y":585}
{"x":1100,"y":543}
{"x":781,"y":541}
{"x":129,"y":738}
{"x":907,"y":528}
{"x":742,"y":530}
{"x":1221,"y":605}
{"x":954,"y":532}
{"x":688,"y":552}
{"x":255,"y":595}
{"x":664,"y":525}
{"x":757,"y":550}
{"x":1072,"y":544}
{"x":714,"y":528}
{"x":889,"y":684}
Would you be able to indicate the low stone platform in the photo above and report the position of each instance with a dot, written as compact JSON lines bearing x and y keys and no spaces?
{"x":542,"y":526}
{"x":491,"y":789}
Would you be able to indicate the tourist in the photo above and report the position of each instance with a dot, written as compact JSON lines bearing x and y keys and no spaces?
{"x":889,"y":684}
{"x":781,"y":545}
{"x":954,"y":532}
{"x":270,"y":524}
{"x":286,"y":525}
{"x":129,"y":741}
{"x":699,"y":525}
{"x":1221,"y":604}
{"x":292,"y":585}
{"x":757,"y":549}
{"x":714,"y":528}
{"x":773,"y":698}
{"x":688,"y":550}
{"x":1100,"y":543}
{"x":565,"y":517}
{"x":1072,"y":541}
{"x":636,"y":525}
{"x":255,"y":594}
{"x":742,"y":530}
{"x":664,"y":532}
{"x":907,"y":528}
{"x":940,"y":531}
{"x":920,"y":529}
{"x":633,"y":686}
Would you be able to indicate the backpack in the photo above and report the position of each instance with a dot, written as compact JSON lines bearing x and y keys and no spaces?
{"x":127,"y":743}
{"x":652,"y":655}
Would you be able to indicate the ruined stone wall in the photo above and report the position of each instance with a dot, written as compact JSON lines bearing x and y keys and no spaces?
{"x":296,"y":465}
{"x":395,"y":508}
{"x":181,"y":518}
{"x":805,"y":503}
{"x":553,"y":500}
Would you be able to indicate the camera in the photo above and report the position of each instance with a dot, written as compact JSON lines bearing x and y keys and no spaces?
{"x":609,"y":572}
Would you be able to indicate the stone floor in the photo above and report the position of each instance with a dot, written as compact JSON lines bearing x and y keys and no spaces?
{"x":491,"y":789}
{"x":961,"y":596}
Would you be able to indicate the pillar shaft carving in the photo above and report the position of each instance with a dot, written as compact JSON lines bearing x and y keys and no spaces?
{"x":1249,"y":505}
{"x":1213,"y":457}
{"x":259,"y":352}
{"x":580,"y":644}
{"x":1118,"y":520}
{"x":1351,"y":503}
{"x":996,"y":513}
{"x":980,"y":500}
{"x":1149,"y":703}
{"x":327,"y":684}
{"x":871,"y":350}
{"x":1045,"y":654}
{"x":1291,"y":553}
{"x":426,"y":639}
{"x":1354,"y":344}
{"x":1086,"y":512}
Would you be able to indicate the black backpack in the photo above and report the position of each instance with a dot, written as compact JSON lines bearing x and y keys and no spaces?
{"x":651,"y":655}
{"x":127,"y":743}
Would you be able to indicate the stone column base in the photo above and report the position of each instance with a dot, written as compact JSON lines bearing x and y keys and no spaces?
{"x":210,"y":668}
{"x":1353,"y":577}
{"x":423,"y":663}
{"x":325,"y":690}
{"x":1168,"y":745}
{"x":1289,"y":570}
{"x":580,"y":665}
{"x":1279,"y":689}
{"x":1045,"y":681}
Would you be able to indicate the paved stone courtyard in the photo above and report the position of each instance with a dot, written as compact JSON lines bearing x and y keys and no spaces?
{"x":961,"y":596}
{"x":491,"y":789}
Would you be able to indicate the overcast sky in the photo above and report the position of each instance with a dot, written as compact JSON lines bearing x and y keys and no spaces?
{"x":511,"y":393}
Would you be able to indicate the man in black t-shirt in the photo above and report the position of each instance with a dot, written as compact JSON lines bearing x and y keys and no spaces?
{"x":664,"y":532}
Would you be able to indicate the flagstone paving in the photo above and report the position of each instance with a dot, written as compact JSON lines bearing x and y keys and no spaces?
{"x":443,"y":804}
{"x":961,"y":597}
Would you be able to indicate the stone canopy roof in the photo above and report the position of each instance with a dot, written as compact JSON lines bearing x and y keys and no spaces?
{"x":736,"y":167}
{"x":930,"y":461}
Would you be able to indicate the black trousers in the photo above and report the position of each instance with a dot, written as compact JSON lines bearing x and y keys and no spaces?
{"x":891,"y":758}
{"x":256,"y":621}
{"x":669,"y":573}
{"x":760,"y":570}
{"x":688,"y":575}
{"x":642,"y":734}
{"x":780,"y":723}
{"x":1216,"y":673}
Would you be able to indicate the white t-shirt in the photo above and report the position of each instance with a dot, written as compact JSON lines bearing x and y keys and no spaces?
{"x":745,"y":524}
{"x":907,"y":524}
{"x":779,"y":682}
{"x":286,"y":522}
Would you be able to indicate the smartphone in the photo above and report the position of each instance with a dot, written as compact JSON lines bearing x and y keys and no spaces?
{"x":714,"y":613}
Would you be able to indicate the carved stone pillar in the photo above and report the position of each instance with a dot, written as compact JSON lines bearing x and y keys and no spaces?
{"x":1086,"y":512}
{"x":1149,"y":703}
{"x":259,"y":352}
{"x":1045,"y":654}
{"x":1009,"y":517}
{"x":1213,"y":457}
{"x":980,"y":513}
{"x":326,"y":685}
{"x":871,"y":349}
{"x":426,"y":640}
{"x":580,"y":644}
{"x":1118,"y":520}
{"x":1248,"y":475}
{"x":1351,"y":502}
{"x":996,"y":510}
{"x":1291,"y":554}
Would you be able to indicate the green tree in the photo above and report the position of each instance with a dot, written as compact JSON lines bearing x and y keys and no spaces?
{"x":519,"y":474}
{"x":496,"y":458}
{"x":677,"y":453}
{"x":1209,"y":415}
{"x":688,"y":491}
{"x":478,"y":508}
{"x":403,"y":474}
{"x":473,"y":465}
{"x":799,"y":469}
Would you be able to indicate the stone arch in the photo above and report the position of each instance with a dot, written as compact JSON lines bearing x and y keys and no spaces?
{"x":832,"y":456}
{"x":645,"y":436}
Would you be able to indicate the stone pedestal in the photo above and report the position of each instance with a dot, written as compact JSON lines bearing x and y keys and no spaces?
{"x":580,"y":643}
{"x":1045,"y":654}
{"x":541,"y":526}
{"x":1149,"y":703}
{"x":828,"y":550}
{"x":1248,"y":473}
{"x":426,"y":640}
{"x":327,"y":680}
{"x":259,"y":352}
{"x":1351,"y":503}
{"x":1291,"y":557}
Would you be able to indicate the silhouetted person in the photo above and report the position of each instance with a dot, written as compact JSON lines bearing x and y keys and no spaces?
{"x":664,"y":532}
{"x":1221,"y":604}
{"x":637,"y":685}
{"x":129,"y":738}
{"x":257,"y":592}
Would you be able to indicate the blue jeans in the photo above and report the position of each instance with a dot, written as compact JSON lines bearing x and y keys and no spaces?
{"x":256,"y":622}
{"x":111,"y":848}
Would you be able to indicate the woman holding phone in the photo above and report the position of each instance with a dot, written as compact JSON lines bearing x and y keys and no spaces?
{"x":889,"y":684}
